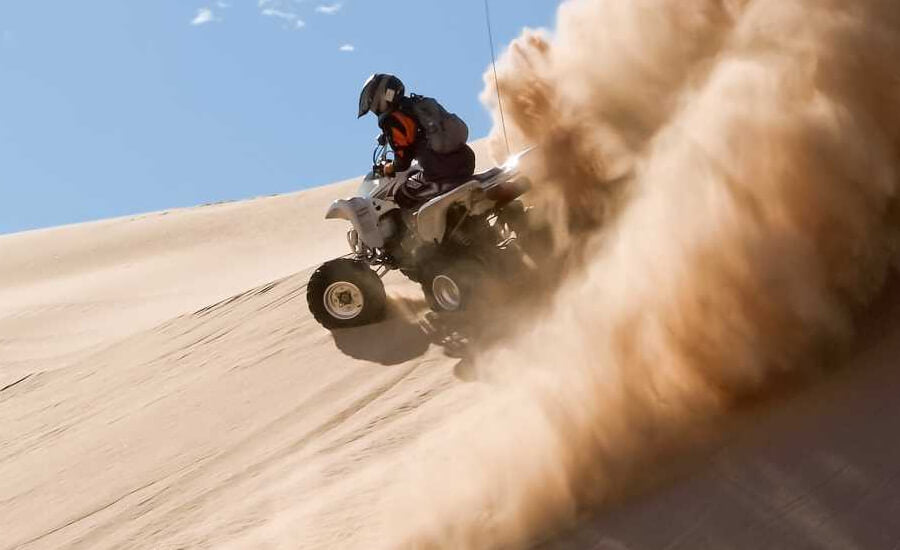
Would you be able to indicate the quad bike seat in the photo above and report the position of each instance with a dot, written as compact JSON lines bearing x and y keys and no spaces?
{"x":416,"y":191}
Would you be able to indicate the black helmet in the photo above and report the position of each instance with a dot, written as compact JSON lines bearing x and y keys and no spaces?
{"x":380,"y":94}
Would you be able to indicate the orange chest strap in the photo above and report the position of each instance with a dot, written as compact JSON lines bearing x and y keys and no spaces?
{"x":403,"y":133}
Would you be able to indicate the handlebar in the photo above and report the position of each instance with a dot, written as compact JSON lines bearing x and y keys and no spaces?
{"x":380,"y":158}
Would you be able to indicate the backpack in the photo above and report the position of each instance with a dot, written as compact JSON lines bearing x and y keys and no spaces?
{"x":445,"y":132}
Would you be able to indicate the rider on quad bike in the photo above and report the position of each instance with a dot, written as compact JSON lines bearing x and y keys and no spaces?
{"x":436,"y":222}
{"x":418,"y":128}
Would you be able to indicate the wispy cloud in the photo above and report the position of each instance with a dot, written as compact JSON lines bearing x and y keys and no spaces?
{"x":204,"y":16}
{"x":348,"y":48}
{"x":279,"y":14}
{"x":280,"y":4}
{"x":329,"y":9}
{"x":283,"y":10}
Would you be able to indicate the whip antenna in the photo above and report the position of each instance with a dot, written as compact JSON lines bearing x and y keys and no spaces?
{"x":487,"y":16}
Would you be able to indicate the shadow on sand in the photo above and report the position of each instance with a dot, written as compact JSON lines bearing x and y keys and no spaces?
{"x":410,"y":329}
{"x":397,"y":339}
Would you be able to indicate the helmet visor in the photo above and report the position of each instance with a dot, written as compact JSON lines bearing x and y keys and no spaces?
{"x":365,"y":98}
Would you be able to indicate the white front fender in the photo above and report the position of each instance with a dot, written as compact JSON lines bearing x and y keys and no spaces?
{"x":361,"y":213}
{"x":340,"y":210}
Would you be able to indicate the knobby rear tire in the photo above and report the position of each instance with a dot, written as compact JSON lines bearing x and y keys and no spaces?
{"x":464,"y":274}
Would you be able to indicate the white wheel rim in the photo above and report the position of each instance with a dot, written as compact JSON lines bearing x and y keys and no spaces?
{"x":446,"y":293}
{"x":343,"y":300}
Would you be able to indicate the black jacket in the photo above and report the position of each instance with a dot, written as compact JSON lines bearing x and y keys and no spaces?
{"x":407,"y":138}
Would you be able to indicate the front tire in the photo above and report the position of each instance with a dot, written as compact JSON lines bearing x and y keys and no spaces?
{"x":345,"y":293}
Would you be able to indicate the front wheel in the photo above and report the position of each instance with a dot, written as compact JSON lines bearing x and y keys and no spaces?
{"x":345,"y":293}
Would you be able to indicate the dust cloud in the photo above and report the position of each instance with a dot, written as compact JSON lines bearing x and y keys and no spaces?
{"x":728,"y":170}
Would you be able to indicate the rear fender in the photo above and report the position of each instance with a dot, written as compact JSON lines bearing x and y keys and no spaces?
{"x":505,"y":192}
{"x":431,"y":219}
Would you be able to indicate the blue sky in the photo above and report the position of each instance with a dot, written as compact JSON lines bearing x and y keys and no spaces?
{"x":113,"y":107}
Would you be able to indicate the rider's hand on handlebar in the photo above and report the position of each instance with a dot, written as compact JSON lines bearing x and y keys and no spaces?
{"x":389,"y":169}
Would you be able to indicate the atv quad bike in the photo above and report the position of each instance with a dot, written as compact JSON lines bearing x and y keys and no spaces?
{"x":447,"y":245}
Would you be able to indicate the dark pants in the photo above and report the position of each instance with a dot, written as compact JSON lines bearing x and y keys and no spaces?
{"x":455,"y":167}
{"x":440,"y":173}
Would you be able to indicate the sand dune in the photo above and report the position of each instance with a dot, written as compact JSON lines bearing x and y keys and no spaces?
{"x":167,"y":388}
{"x":66,"y":292}
{"x":716,"y":369}
{"x":74,"y":289}
{"x":164,"y":384}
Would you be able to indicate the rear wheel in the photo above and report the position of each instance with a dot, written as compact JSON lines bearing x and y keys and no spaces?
{"x":533,"y":236}
{"x":345,"y":293}
{"x":450,"y":286}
